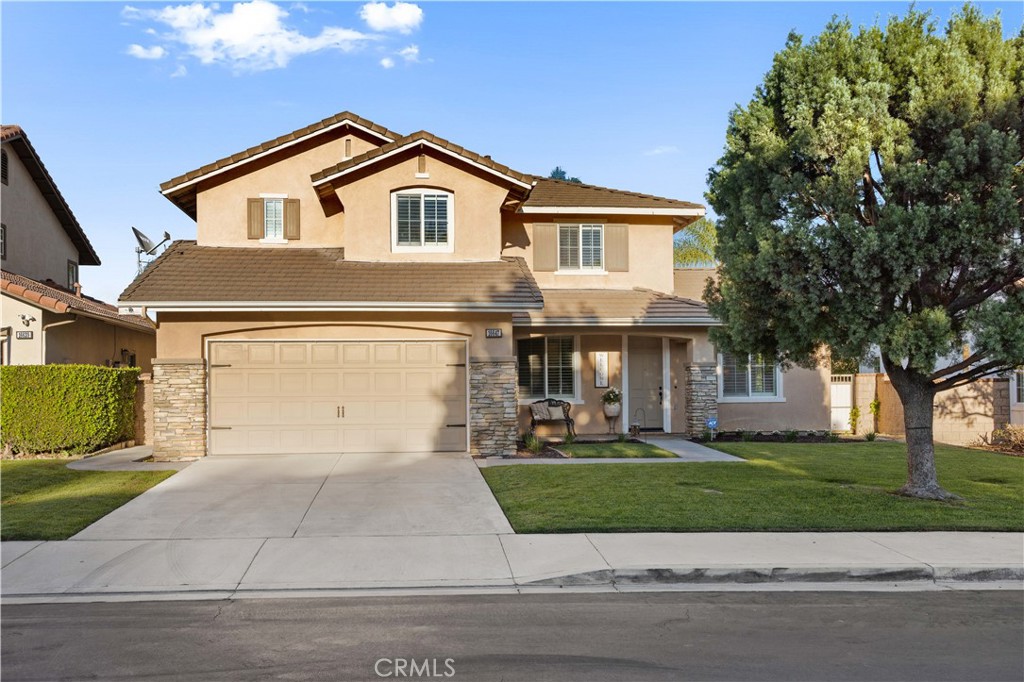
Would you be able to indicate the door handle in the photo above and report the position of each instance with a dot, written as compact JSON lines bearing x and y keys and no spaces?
{"x":341,"y":411}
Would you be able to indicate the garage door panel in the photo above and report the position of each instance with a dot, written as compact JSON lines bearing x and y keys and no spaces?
{"x":290,"y":397}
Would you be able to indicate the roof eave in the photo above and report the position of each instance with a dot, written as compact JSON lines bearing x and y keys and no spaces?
{"x":541,"y":321}
{"x":612,"y":210}
{"x":130,"y":307}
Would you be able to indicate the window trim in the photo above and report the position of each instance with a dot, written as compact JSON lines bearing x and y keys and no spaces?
{"x":448,"y":246}
{"x":580,"y":269}
{"x":1016,"y":387}
{"x":576,"y":398}
{"x":778,"y":397}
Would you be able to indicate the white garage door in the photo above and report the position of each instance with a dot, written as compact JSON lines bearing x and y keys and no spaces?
{"x":347,"y":396}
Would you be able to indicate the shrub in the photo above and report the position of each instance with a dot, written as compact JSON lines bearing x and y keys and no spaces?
{"x":746,"y":436}
{"x":533,"y":444}
{"x":66,"y":408}
{"x":623,"y":437}
{"x":875,"y":407}
{"x":705,"y":436}
{"x":791,"y":436}
{"x":1009,"y":438}
{"x":833,"y":437}
{"x":870,"y":437}
{"x":570,"y":438}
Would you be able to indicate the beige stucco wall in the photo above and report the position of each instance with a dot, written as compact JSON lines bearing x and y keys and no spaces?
{"x":690,"y":282}
{"x":85,"y":341}
{"x":475,"y":223}
{"x":92,"y":342}
{"x":650,"y":252}
{"x":221,"y":201}
{"x":184,"y":335}
{"x":37,"y":245}
{"x":806,"y":407}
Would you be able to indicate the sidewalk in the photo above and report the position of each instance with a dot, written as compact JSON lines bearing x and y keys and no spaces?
{"x":285,"y":566}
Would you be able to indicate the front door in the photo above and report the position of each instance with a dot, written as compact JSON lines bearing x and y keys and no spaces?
{"x":646,"y":391}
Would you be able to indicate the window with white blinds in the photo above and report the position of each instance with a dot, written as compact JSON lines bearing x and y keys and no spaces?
{"x":547,"y":367}
{"x":581,"y":247}
{"x":273,"y":218}
{"x":1020,"y":386}
{"x":747,"y":376}
{"x":422,"y":220}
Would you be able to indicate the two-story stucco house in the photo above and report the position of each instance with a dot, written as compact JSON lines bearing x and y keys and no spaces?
{"x":46,"y":317}
{"x":352,"y":289}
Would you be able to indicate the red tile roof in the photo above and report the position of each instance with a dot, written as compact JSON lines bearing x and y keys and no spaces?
{"x":53,"y":297}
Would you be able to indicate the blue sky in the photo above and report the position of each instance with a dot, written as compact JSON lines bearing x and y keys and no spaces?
{"x":633,"y":96}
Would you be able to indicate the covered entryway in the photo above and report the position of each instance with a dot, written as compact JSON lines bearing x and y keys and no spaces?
{"x":295,"y":397}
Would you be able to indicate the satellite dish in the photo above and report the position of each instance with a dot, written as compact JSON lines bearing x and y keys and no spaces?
{"x":146,"y":246}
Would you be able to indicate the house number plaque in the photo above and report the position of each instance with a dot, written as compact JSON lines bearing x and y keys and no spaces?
{"x":23,"y":335}
{"x":493,"y":333}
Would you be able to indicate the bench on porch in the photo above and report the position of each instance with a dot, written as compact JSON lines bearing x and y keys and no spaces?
{"x":551,"y":410}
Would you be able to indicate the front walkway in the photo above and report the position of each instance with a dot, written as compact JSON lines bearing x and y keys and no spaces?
{"x":684,"y":449}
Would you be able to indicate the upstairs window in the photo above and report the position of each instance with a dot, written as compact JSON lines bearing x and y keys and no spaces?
{"x":748,"y":377}
{"x":3,"y":167}
{"x":273,"y":218}
{"x":421,"y":220}
{"x":581,"y":247}
{"x":72,"y":274}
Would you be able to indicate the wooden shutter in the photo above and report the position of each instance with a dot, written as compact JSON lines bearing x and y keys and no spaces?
{"x":545,"y":247}
{"x":291,"y":218}
{"x":256,"y":219}
{"x":616,"y":248}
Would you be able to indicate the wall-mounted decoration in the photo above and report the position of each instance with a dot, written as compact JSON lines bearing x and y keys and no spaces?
{"x":601,"y":369}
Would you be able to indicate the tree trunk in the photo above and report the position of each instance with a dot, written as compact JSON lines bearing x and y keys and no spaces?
{"x":917,"y":394}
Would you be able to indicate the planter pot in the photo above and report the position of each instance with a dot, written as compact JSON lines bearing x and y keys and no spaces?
{"x":612,"y":409}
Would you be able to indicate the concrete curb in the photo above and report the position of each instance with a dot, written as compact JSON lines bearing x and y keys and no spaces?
{"x":749,"y":575}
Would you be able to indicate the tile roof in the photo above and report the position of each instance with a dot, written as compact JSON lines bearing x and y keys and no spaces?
{"x":186,"y":272}
{"x":277,"y":142}
{"x":15,"y":137}
{"x":422,"y":136}
{"x":623,"y":306}
{"x":53,"y":297}
{"x":550,"y":192}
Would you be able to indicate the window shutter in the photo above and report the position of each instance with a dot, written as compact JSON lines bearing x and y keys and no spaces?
{"x":291,"y":218}
{"x":545,"y":247}
{"x":255,"y":218}
{"x":616,"y":248}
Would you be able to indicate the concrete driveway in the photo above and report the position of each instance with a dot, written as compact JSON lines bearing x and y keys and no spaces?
{"x":295,"y":496}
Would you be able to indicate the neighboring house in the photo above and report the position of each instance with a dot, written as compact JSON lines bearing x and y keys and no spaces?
{"x":355,"y":289}
{"x":46,"y":317}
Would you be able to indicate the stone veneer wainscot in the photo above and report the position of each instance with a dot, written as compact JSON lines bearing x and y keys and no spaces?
{"x":493,"y":403}
{"x":179,"y":408}
{"x":701,"y":396}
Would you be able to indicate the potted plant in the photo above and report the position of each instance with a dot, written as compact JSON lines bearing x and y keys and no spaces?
{"x":612,"y":399}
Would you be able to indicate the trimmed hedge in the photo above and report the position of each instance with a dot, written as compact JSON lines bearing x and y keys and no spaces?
{"x":66,"y":408}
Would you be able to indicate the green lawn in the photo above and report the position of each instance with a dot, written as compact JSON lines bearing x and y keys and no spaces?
{"x":613,"y":449}
{"x":44,"y":500}
{"x":784,"y":487}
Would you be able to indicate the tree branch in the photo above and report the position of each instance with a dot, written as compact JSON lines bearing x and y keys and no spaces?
{"x":978,"y":372}
{"x":967,"y":362}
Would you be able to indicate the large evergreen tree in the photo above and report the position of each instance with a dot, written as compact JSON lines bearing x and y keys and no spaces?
{"x":871,"y":193}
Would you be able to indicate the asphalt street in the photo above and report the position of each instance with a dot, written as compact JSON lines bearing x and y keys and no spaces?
{"x":952,"y":635}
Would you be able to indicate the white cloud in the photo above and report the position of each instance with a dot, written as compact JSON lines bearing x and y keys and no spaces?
{"x":387,"y":62}
{"x":403,"y":17}
{"x":663,"y":149}
{"x":251,"y":36}
{"x":180,"y":72}
{"x":410,"y":54}
{"x":155,"y":52}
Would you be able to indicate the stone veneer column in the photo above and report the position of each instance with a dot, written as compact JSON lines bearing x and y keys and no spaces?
{"x":179,"y":408}
{"x":701,"y":396}
{"x":493,"y":406}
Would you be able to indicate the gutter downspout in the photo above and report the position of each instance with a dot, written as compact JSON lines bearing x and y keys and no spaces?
{"x":47,"y":327}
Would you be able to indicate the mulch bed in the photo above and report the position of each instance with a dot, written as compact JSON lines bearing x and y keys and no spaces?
{"x":732,"y":437}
